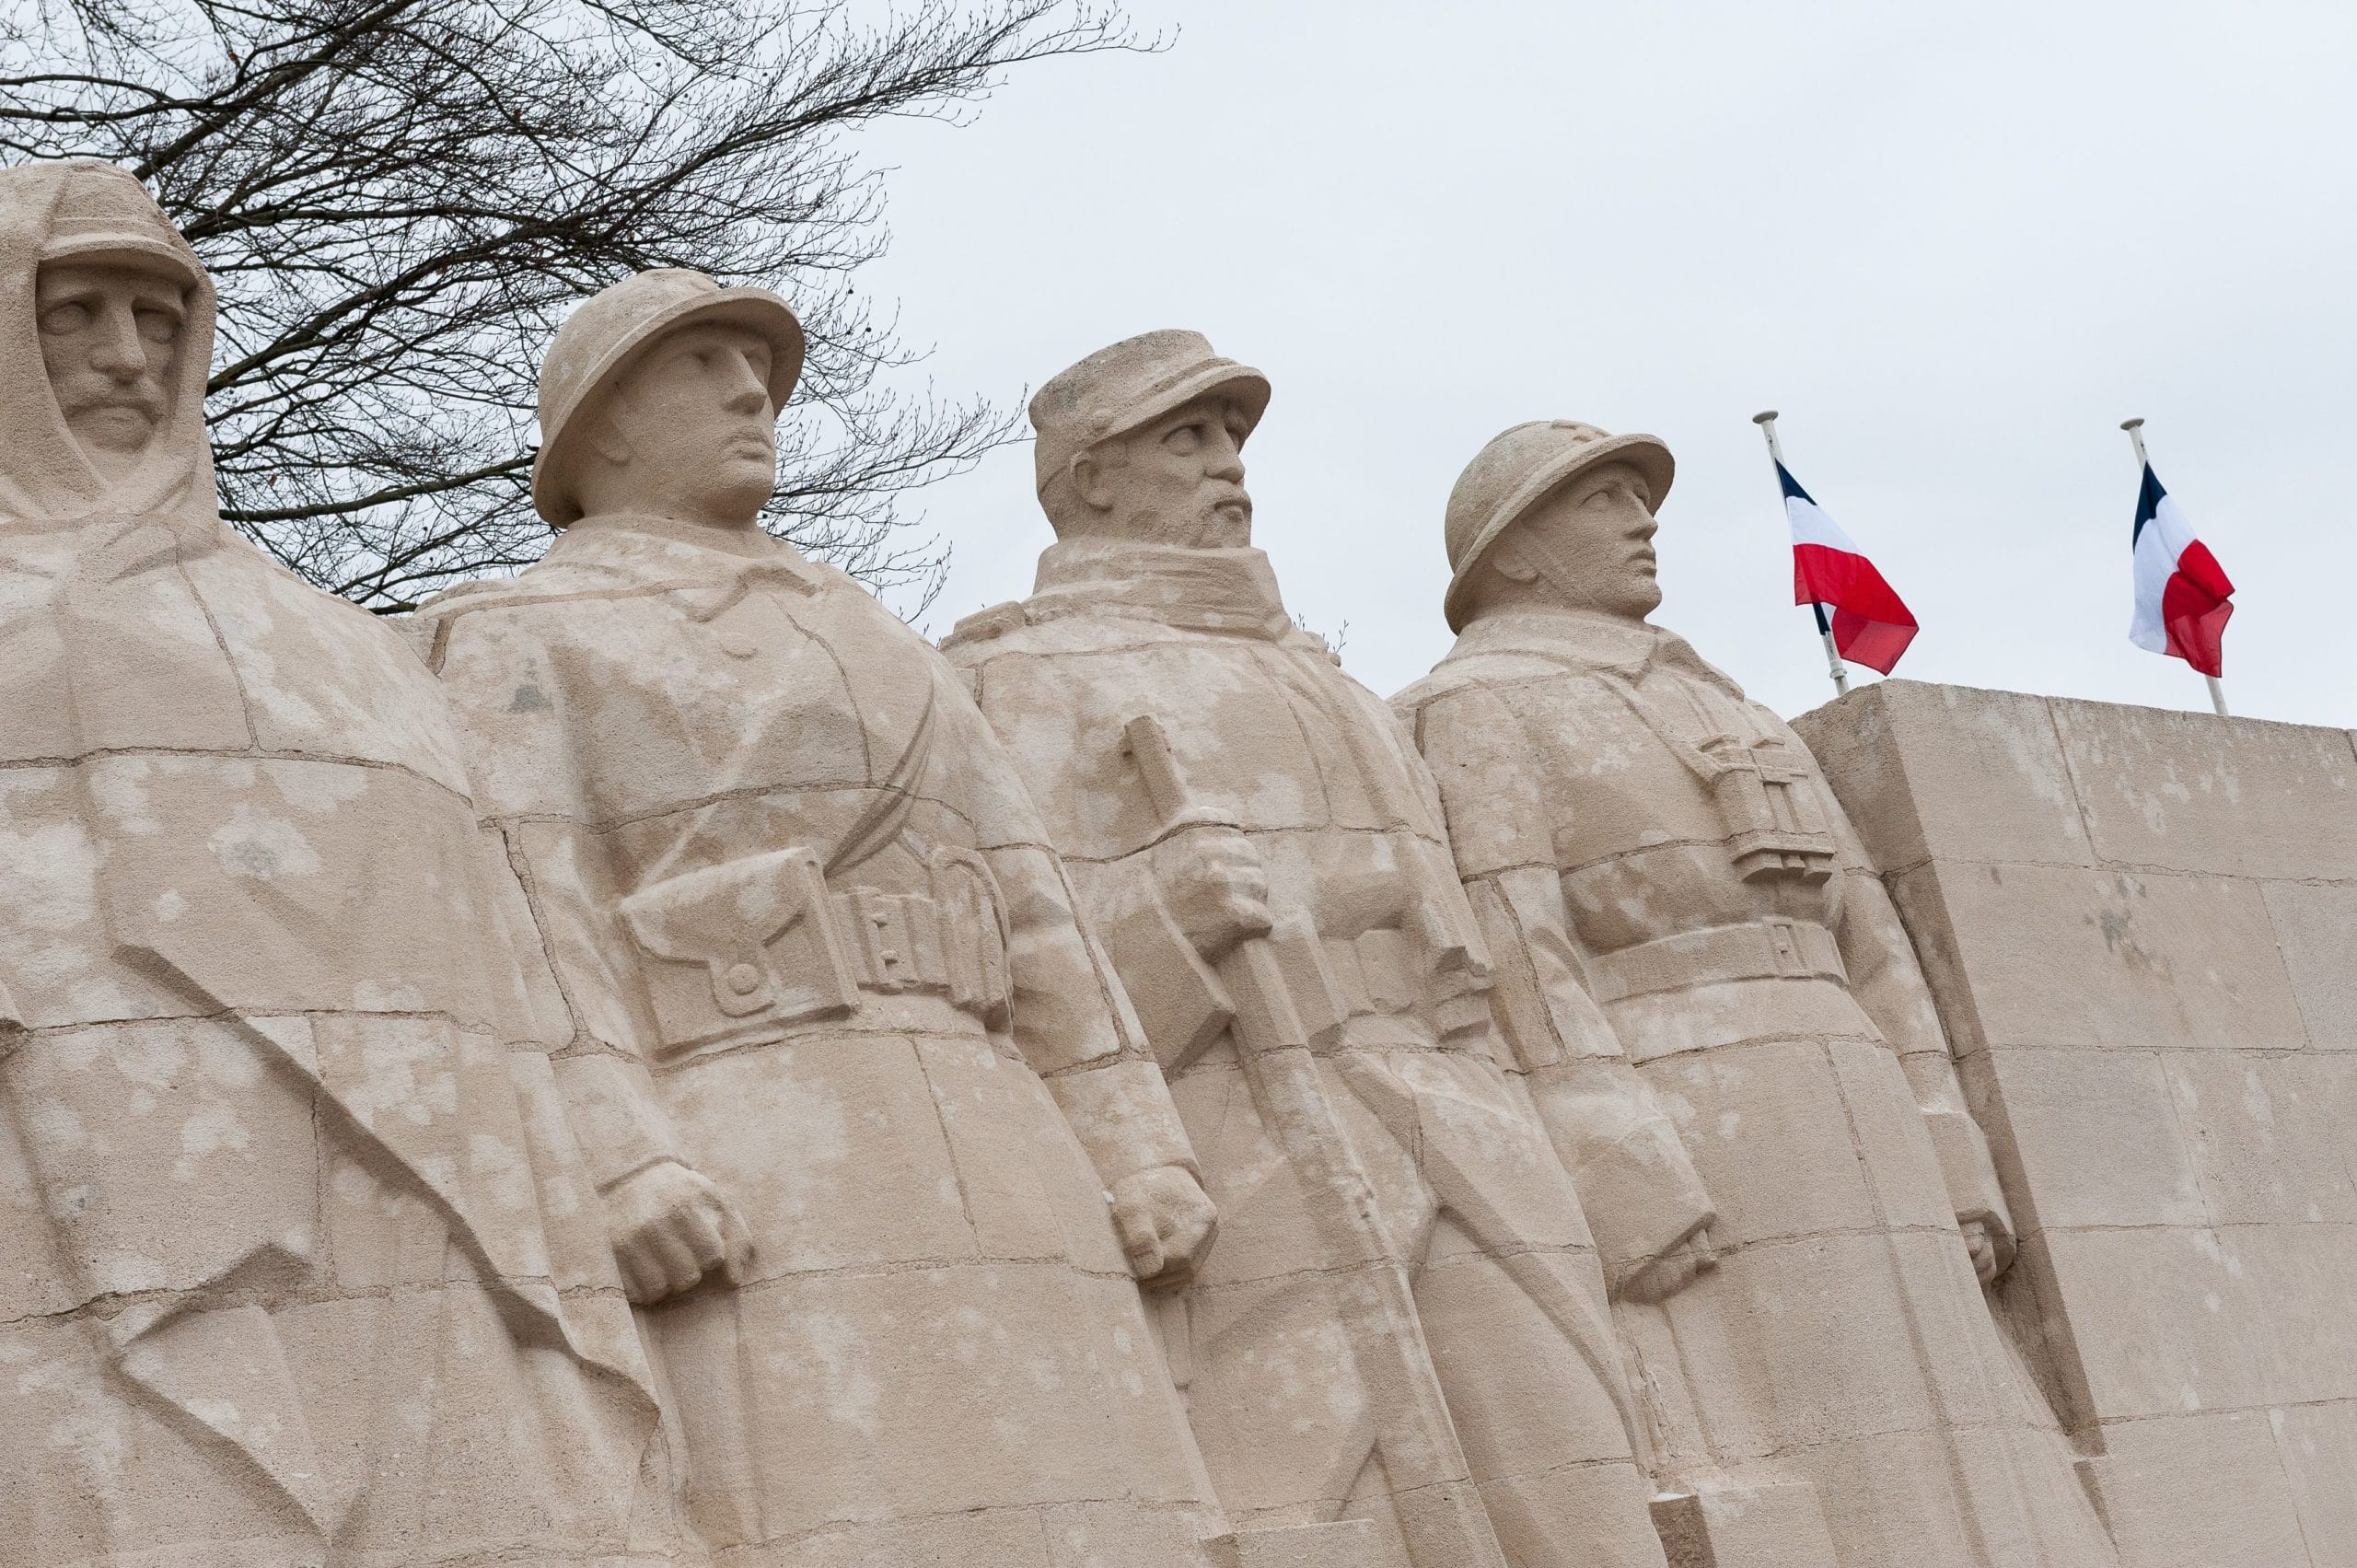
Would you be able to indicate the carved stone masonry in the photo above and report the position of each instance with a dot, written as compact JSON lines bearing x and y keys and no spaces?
{"x":881,"y":1149}
{"x":1404,"y":1320}
{"x":1669,"y":846}
{"x":301,"y":1258}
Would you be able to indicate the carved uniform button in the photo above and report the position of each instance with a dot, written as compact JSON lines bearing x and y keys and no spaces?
{"x":736,"y":644}
{"x":744,"y":979}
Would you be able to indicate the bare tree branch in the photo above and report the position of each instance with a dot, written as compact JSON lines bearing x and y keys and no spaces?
{"x":399,"y":199}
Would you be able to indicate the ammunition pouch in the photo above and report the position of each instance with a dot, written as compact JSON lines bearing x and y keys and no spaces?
{"x":750,"y":951}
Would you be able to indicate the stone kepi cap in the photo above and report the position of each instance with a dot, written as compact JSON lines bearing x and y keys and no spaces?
{"x":1131,"y":383}
{"x":608,"y":332}
{"x":1516,"y":470}
{"x":104,"y":214}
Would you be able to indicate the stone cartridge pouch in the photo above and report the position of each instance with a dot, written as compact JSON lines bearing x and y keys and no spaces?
{"x":744,"y":953}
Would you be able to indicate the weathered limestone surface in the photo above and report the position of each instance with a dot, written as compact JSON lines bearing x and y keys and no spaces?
{"x":2140,"y":928}
{"x":881,"y":1144}
{"x":299,"y":1258}
{"x":711,"y":1080}
{"x":1262,"y":850}
{"x":1666,"y":850}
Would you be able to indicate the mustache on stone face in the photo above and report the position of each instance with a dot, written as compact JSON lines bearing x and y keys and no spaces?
{"x":80,"y":396}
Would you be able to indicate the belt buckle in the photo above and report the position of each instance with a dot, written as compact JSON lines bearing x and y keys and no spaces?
{"x":887,"y":940}
{"x":1784,"y":940}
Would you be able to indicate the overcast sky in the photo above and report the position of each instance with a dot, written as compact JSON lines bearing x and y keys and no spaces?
{"x":1955,"y":245}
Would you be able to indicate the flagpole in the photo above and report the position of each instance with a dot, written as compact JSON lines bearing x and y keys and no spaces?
{"x":1833,"y":665}
{"x":2135,"y":428}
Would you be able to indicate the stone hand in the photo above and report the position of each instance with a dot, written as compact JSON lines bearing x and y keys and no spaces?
{"x":1660,"y":1278}
{"x":1215,"y":886}
{"x":1166,"y":1224}
{"x":1991,"y":1245}
{"x":672,"y":1229}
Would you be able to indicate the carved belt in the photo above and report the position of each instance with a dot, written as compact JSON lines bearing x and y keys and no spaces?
{"x":744,"y":953}
{"x":1761,"y":949}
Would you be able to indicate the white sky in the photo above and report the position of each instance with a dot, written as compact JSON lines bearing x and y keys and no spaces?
{"x":1955,"y":245}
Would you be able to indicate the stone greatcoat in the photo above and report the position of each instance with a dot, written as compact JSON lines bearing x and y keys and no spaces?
{"x":1321,"y":780}
{"x":1705,"y":886}
{"x":816,"y":947}
{"x":299,"y":1262}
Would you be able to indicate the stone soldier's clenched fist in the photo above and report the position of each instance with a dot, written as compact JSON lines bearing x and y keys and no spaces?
{"x":670,"y":1227}
{"x":1215,"y":885}
{"x":1166,"y":1225}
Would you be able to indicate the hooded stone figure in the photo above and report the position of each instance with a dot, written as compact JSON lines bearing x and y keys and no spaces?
{"x":1259,"y":845}
{"x":1674,"y":877}
{"x":879,"y":1144}
{"x":298,"y":1261}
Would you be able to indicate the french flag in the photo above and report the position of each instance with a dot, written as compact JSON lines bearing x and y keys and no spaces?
{"x":1870,"y":624}
{"x":2182,"y":596}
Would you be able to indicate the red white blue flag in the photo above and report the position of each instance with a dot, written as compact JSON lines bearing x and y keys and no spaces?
{"x":2182,"y":596}
{"x":1869,"y":623}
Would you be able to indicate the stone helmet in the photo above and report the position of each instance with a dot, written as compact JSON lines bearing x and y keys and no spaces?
{"x":1515,"y":472}
{"x":1131,"y":383}
{"x":608,"y":332}
{"x":103,"y":213}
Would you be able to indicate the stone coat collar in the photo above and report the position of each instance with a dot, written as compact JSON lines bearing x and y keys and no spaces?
{"x":1206,"y":590}
{"x":710,"y":568}
{"x":1578,"y":640}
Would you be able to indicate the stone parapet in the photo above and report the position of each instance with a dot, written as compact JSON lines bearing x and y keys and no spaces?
{"x":2140,"y":930}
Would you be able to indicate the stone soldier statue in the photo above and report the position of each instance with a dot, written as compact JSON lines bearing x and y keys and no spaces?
{"x":1260,"y":848}
{"x":825,"y":973}
{"x":1671,"y":847}
{"x":298,"y":1262}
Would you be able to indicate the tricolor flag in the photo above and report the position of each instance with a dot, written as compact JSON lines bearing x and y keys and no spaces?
{"x":1870,"y":625}
{"x":2182,"y":596}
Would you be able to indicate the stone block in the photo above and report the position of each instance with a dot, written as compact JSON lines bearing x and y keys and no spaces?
{"x":2297,"y":1281}
{"x":2263,"y":1136}
{"x":2060,"y":956}
{"x":2316,"y":929}
{"x":2183,"y":792}
{"x":2318,"y":1446}
{"x":1347,"y":1543}
{"x":1948,"y":772}
{"x":1733,"y":1525}
{"x":2161,"y":1320}
{"x":2197,"y":1492}
{"x":2096,"y":1138}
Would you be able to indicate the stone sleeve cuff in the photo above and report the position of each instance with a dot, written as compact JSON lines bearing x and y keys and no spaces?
{"x":1972,"y":1174}
{"x":1121,"y":1113}
{"x":1637,"y":1185}
{"x":620,"y":1129}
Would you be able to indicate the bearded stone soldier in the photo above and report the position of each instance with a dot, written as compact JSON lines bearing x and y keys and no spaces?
{"x":882,"y":1153}
{"x":1670,"y":848}
{"x":300,"y":1261}
{"x":1405,"y":1320}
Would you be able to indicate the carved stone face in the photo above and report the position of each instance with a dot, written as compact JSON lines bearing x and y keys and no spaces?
{"x":687,"y":432}
{"x":110,"y":341}
{"x":1586,"y":545}
{"x":1177,"y":480}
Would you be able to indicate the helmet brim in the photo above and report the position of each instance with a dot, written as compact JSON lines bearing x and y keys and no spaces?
{"x":756,"y":309}
{"x":1647,"y":453}
{"x":138,"y":251}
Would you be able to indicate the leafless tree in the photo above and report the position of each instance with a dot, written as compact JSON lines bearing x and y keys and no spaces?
{"x":400,"y":199}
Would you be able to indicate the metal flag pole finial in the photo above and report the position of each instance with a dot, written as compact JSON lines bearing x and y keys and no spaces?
{"x":1766,"y":420}
{"x":2135,"y":428}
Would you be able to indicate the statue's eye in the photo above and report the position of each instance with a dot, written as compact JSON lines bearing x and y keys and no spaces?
{"x":157,"y":325}
{"x":59,"y":321}
{"x":1185,"y":439}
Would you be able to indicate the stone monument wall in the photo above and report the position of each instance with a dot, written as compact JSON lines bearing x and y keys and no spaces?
{"x":2140,"y":928}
